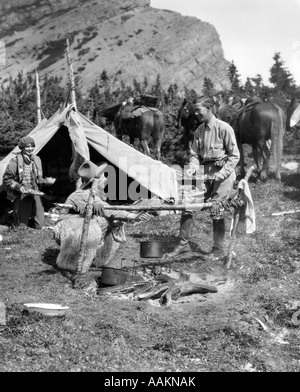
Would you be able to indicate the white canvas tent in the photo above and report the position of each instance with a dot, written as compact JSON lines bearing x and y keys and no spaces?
{"x":53,"y":145}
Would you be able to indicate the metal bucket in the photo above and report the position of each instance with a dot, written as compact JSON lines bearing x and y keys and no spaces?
{"x":114,"y":276}
{"x":151,"y":249}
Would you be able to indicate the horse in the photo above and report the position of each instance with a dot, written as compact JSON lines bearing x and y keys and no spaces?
{"x":187,"y":118}
{"x":143,"y":123}
{"x":290,"y":113}
{"x":256,"y":123}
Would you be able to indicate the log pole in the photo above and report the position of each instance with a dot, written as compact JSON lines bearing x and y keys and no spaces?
{"x":71,"y":73}
{"x":38,"y":97}
{"x":85,"y":228}
{"x":171,"y":207}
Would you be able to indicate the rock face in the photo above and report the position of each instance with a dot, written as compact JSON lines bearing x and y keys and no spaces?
{"x":126,"y":38}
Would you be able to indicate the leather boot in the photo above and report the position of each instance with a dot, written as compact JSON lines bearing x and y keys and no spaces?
{"x":218,"y":237}
{"x":186,"y":225}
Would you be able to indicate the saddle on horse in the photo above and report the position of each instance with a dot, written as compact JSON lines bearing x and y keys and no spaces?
{"x":134,"y":111}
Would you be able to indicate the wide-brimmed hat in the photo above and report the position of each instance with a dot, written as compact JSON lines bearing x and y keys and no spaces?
{"x":89,"y":170}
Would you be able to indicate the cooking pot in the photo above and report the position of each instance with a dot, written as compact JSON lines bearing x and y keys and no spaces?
{"x":114,"y":276}
{"x":151,"y":249}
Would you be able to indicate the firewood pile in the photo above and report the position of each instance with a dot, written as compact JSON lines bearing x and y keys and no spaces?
{"x":155,"y":285}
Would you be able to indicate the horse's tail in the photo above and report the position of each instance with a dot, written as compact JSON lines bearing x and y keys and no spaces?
{"x":158,"y":131}
{"x":158,"y":127}
{"x":277,"y":133}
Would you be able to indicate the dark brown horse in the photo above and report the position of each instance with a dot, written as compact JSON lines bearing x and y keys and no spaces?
{"x":189,"y":121}
{"x":256,"y":123}
{"x":138,"y":122}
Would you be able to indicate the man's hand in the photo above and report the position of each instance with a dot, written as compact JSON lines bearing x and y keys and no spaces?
{"x":98,"y":209}
{"x":143,"y":216}
{"x":22,"y":189}
{"x":190,"y":172}
{"x":218,"y":177}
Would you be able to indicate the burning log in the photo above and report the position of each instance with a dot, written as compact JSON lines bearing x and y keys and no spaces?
{"x":153,"y":293}
{"x":166,"y":292}
{"x":166,"y":297}
{"x":173,"y":290}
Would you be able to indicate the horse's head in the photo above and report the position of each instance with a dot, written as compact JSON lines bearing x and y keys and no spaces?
{"x":99,"y":120}
{"x":186,"y":111}
{"x":228,"y":113}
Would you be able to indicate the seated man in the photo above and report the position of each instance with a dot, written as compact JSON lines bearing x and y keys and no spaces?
{"x":102,"y":242}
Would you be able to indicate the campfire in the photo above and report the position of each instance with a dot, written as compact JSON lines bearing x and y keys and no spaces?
{"x":153,"y":282}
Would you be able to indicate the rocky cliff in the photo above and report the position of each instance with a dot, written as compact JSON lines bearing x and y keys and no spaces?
{"x":126,"y":38}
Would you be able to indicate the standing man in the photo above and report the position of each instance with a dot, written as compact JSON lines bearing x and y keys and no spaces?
{"x":215,"y":147}
{"x":22,"y":178}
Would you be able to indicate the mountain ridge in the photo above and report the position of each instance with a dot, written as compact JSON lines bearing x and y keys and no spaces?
{"x":128,"y":39}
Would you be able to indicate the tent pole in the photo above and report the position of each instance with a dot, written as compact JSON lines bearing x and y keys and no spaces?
{"x":71,"y":73}
{"x":89,"y":207}
{"x":73,"y":99}
{"x":38,"y":97}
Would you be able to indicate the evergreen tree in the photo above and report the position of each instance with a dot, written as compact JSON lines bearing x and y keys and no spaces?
{"x":145,"y":84}
{"x":157,"y":87}
{"x":258,"y":84}
{"x":208,"y":88}
{"x":104,"y":77}
{"x":190,"y":95}
{"x":280,"y":77}
{"x":234,"y":78}
{"x":137,"y":86}
{"x":248,"y":87}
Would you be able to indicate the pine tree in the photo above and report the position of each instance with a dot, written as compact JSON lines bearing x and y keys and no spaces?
{"x":248,"y":87}
{"x":280,"y":77}
{"x":145,"y":84}
{"x":208,"y":88}
{"x":258,"y":84}
{"x":234,"y":78}
{"x":137,"y":86}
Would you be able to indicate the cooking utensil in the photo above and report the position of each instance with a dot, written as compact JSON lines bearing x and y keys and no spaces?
{"x":151,"y":249}
{"x":114,"y":276}
{"x":47,"y":309}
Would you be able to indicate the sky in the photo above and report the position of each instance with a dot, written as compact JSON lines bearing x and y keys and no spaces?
{"x":251,"y":31}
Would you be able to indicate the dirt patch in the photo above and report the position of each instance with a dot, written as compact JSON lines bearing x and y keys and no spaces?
{"x":248,"y":325}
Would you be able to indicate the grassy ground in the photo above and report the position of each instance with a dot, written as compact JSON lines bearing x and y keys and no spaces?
{"x":245,"y":327}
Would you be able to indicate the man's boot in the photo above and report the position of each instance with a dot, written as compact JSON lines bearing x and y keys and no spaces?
{"x":217,"y":251}
{"x":186,"y":225}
